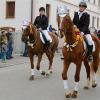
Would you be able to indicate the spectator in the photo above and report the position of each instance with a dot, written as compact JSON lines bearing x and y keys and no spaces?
{"x":98,"y":33}
{"x":25,"y":54}
{"x":3,"y":46}
{"x":24,"y":25}
{"x":0,"y":45}
{"x":10,"y":44}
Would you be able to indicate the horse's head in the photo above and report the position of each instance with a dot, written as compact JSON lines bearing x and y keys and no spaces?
{"x":65,"y":25}
{"x":29,"y":33}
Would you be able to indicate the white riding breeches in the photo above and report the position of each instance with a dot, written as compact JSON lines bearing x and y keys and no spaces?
{"x":89,"y":39}
{"x":48,"y":37}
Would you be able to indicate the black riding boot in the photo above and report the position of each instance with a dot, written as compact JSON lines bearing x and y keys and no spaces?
{"x":89,"y":52}
{"x":48,"y":45}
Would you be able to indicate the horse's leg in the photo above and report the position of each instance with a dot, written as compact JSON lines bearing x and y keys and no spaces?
{"x":50,"y":56}
{"x":38,"y":64}
{"x":77,"y":79}
{"x":32,"y":67}
{"x":65,"y":79}
{"x":94,"y":68}
{"x":87,"y":67}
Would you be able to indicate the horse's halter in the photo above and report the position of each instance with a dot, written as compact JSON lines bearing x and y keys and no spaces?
{"x":63,"y":31}
{"x":60,"y":31}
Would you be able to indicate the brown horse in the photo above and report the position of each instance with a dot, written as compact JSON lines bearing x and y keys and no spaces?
{"x":31,"y":35}
{"x":74,"y":52}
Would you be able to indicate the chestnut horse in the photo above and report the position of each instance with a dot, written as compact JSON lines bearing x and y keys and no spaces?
{"x":74,"y":52}
{"x":31,"y":35}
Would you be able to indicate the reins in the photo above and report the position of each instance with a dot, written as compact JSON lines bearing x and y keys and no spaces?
{"x":32,"y":44}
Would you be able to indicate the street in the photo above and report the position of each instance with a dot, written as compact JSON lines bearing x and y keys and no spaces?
{"x":15,"y":83}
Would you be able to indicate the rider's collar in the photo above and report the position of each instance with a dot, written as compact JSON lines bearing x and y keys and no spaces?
{"x":81,"y":12}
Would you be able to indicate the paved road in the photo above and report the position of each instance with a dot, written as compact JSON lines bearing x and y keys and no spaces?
{"x":15,"y":84}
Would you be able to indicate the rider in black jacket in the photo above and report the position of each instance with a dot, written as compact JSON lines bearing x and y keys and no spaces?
{"x":82,"y":21}
{"x":41,"y":22}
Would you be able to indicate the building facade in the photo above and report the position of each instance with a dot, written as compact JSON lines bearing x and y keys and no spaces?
{"x":13,"y":12}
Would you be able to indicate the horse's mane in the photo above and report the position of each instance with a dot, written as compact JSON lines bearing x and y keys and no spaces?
{"x":68,"y":23}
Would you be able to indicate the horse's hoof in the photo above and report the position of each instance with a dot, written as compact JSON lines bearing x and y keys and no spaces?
{"x":47,"y":74}
{"x":31,"y":77}
{"x":68,"y":95}
{"x":43,"y":73}
{"x":94,"y":85}
{"x":74,"y":94}
{"x":86,"y":87}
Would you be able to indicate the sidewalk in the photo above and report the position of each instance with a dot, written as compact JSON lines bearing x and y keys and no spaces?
{"x":14,"y":61}
{"x":17,"y":60}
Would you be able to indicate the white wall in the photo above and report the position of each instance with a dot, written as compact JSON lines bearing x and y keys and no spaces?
{"x":23,"y":12}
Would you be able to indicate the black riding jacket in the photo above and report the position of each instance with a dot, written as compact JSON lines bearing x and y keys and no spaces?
{"x":41,"y":22}
{"x":83,"y":22}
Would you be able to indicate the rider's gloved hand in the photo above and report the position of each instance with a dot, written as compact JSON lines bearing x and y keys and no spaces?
{"x":82,"y":33}
{"x":40,"y":29}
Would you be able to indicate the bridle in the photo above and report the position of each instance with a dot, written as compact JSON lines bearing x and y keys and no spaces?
{"x":31,"y":42}
{"x":69,"y":46}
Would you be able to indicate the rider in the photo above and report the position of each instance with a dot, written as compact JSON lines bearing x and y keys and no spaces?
{"x":82,"y":21}
{"x":41,"y":22}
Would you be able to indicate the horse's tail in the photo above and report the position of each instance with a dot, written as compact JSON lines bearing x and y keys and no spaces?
{"x":97,"y":41}
{"x":98,"y":71}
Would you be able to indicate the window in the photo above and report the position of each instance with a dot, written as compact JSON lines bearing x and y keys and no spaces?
{"x":97,"y":22}
{"x":10,"y":9}
{"x":48,"y":11}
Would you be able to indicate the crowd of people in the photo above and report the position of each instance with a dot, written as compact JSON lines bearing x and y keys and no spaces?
{"x":6,"y":45}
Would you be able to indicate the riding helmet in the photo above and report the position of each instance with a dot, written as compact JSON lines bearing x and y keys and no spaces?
{"x":83,"y":3}
{"x":42,"y":9}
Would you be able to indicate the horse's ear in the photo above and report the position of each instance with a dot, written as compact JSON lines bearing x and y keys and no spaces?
{"x":35,"y":27}
{"x":30,"y":23}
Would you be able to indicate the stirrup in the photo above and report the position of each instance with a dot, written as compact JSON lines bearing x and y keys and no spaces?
{"x":90,"y":58}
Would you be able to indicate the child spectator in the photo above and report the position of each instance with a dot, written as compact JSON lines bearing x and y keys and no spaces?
{"x":3,"y":46}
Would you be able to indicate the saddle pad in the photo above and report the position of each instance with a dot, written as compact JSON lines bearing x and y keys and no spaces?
{"x":41,"y":37}
{"x":45,"y":38}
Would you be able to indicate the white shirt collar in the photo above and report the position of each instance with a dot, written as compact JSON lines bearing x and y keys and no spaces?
{"x":81,"y":12}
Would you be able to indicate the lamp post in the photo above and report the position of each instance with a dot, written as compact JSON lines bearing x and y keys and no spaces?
{"x":31,"y":10}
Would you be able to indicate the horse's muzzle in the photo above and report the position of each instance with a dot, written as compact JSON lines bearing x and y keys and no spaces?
{"x":24,"y":39}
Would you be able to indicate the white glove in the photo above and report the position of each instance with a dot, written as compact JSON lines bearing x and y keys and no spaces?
{"x":75,"y":26}
{"x":40,"y":29}
{"x":82,"y":33}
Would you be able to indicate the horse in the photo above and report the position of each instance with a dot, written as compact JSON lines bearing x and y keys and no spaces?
{"x":74,"y":52}
{"x":31,"y":35}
